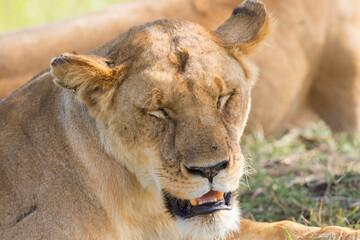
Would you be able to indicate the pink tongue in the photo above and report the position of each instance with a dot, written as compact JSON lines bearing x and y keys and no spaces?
{"x":208,"y":196}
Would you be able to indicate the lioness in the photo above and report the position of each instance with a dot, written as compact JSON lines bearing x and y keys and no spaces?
{"x":139,"y":140}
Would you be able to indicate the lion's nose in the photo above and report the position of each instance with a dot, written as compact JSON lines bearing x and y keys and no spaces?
{"x":208,"y":172}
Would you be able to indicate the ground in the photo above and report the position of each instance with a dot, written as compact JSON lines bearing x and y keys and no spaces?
{"x":308,"y":175}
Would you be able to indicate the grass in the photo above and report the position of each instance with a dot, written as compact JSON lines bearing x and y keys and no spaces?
{"x":287,"y":233}
{"x":16,"y":14}
{"x":307,"y":175}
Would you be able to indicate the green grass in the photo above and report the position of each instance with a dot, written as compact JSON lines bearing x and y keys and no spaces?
{"x":287,"y":233}
{"x":307,"y":175}
{"x":16,"y":14}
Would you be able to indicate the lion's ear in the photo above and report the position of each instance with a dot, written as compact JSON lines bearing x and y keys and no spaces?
{"x":93,"y":81}
{"x":248,"y":25}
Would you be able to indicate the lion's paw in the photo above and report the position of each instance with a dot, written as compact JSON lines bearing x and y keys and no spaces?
{"x":334,"y":233}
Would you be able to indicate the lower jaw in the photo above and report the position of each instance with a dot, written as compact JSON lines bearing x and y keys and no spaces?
{"x":217,"y":225}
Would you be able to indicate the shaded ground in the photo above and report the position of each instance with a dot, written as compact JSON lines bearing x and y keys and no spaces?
{"x":307,"y":175}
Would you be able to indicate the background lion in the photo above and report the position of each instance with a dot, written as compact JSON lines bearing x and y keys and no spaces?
{"x":139,"y":139}
{"x":309,"y":64}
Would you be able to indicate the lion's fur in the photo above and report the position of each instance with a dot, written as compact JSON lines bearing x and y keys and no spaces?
{"x":309,"y":65}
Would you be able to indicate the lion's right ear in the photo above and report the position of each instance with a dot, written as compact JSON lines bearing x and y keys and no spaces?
{"x":92,"y":80}
{"x":248,"y":25}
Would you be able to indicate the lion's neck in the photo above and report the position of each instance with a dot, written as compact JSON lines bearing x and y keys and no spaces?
{"x":134,"y":212}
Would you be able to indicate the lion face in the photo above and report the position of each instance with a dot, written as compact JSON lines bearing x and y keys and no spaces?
{"x":172,"y":99}
{"x":186,"y":125}
{"x":191,"y":122}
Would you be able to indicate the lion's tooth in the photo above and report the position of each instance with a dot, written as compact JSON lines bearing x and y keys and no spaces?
{"x":219,"y":195}
{"x":193,"y":202}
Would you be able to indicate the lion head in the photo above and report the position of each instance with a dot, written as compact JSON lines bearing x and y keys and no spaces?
{"x":171,"y":100}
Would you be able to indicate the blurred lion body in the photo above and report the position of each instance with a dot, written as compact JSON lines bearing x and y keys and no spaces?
{"x":309,"y":65}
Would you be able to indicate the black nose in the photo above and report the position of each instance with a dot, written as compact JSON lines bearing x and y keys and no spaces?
{"x":208,"y":172}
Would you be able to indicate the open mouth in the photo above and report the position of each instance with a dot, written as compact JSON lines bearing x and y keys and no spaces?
{"x":206,"y":204}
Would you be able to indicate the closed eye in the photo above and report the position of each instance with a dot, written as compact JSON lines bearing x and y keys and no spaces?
{"x":160,"y":113}
{"x":222,"y":101}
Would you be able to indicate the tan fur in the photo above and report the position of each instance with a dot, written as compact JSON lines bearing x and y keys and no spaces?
{"x":91,"y":157}
{"x":309,"y":65}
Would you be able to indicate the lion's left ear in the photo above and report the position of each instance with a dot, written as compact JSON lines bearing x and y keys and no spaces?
{"x":92,"y":80}
{"x":248,"y":25}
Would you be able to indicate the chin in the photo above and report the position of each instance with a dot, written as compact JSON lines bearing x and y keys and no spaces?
{"x":217,"y":225}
